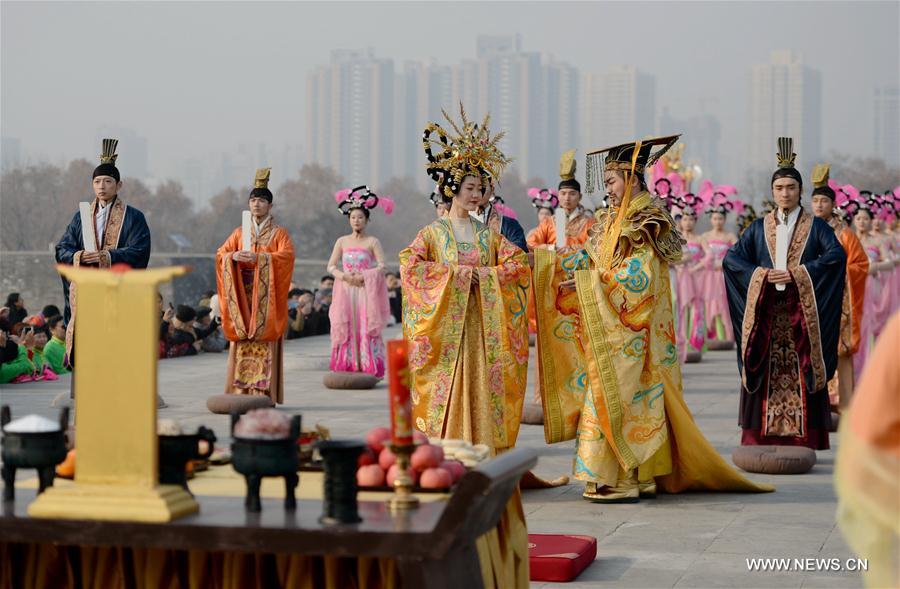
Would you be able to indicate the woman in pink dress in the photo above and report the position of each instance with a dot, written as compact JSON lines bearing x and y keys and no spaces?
{"x":688,"y":283}
{"x":874,"y":313}
{"x":882,"y":208}
{"x":719,"y":332}
{"x":359,"y":308}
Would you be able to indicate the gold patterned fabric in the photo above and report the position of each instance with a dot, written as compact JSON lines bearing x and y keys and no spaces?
{"x":468,"y":360}
{"x":255,"y":368}
{"x":784,"y":403}
{"x":631,"y":358}
{"x":440,"y":318}
{"x":633,"y":417}
{"x":560,"y":352}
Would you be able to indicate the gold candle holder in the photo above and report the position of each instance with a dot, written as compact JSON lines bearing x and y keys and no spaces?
{"x":403,"y":498}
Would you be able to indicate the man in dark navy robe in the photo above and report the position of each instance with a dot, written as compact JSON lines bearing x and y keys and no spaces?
{"x":491,"y":215}
{"x":785,"y":290}
{"x":120,"y":232}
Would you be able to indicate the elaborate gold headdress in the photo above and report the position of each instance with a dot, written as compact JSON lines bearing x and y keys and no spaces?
{"x":470,"y":152}
{"x":633,"y":157}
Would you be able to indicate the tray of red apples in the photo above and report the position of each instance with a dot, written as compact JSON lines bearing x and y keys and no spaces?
{"x":434,"y":466}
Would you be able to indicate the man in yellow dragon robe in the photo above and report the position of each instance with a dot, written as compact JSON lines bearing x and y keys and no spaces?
{"x":633,"y":430}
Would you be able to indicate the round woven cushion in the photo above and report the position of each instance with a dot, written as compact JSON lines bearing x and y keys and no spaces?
{"x":349,"y":380}
{"x":692,"y":357}
{"x":716,"y":344}
{"x":774,"y":459}
{"x":230,"y":403}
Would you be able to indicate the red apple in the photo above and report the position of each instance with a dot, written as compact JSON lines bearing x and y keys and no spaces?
{"x":370,"y":475}
{"x":386,"y":459}
{"x":395,"y":470}
{"x":426,"y":456}
{"x":436,"y":478}
{"x":367,"y":457}
{"x":455,"y":468}
{"x":377,"y":437}
{"x":419,"y":437}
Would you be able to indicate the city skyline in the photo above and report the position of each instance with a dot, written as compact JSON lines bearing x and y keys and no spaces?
{"x":205,"y":91}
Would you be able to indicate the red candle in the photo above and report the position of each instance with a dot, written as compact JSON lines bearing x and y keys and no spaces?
{"x":398,"y":379}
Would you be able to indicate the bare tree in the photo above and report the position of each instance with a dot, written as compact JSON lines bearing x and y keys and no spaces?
{"x":865,"y":173}
{"x":306,"y":207}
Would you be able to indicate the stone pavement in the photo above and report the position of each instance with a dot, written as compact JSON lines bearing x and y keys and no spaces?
{"x":688,"y":540}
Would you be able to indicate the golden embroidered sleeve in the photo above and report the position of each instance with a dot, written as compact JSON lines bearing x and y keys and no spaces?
{"x":434,"y":304}
{"x":559,"y":350}
{"x":504,"y":299}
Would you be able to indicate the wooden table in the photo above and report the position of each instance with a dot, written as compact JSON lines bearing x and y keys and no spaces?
{"x":432,"y":546}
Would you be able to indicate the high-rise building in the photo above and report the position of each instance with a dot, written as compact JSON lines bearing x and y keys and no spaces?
{"x":534,"y":100}
{"x":620,"y":105}
{"x":562,"y":100}
{"x":785,"y":101}
{"x":10,"y":153}
{"x":365,"y":121}
{"x":512,"y":90}
{"x":350,"y":115}
{"x":422,"y":91}
{"x":887,"y":124}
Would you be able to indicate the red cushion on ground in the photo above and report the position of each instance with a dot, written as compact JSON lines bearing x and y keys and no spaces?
{"x":559,"y":557}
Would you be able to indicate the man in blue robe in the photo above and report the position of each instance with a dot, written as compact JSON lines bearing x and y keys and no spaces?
{"x":786,"y":321}
{"x":120,"y":232}
{"x":491,"y":215}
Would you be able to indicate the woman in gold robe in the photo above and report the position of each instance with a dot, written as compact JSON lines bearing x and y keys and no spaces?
{"x":465,"y":290}
{"x":633,"y":429}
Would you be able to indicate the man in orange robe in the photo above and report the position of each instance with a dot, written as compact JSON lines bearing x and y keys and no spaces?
{"x":253,"y":294}
{"x":840,"y":388}
{"x":569,"y":214}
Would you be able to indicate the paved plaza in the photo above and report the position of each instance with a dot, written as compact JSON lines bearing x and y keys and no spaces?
{"x":688,"y":540}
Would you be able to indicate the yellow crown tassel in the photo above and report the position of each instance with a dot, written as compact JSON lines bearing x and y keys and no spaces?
{"x":820,"y":175}
{"x":567,"y":165}
{"x":262,"y":178}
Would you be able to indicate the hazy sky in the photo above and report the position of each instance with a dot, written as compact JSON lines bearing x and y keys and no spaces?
{"x":195,"y":78}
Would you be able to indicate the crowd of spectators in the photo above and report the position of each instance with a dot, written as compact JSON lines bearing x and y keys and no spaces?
{"x":33,"y":347}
